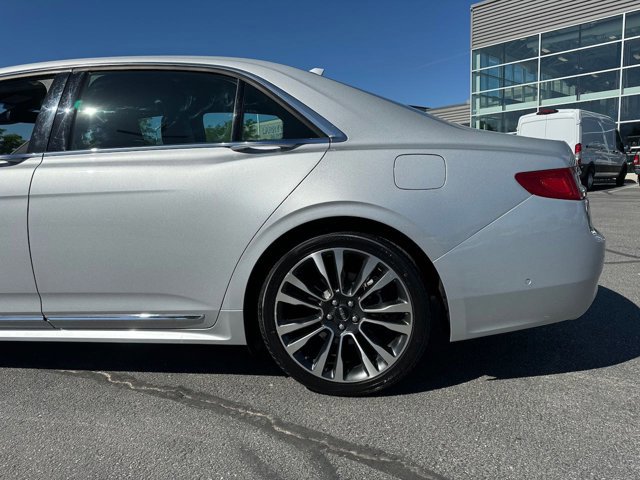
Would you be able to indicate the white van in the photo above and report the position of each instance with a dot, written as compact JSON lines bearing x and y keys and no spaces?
{"x":593,"y":137}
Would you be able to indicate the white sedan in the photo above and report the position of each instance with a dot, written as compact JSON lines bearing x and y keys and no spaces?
{"x":231,"y":201}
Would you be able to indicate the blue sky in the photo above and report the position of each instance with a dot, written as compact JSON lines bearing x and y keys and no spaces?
{"x":412,"y":51}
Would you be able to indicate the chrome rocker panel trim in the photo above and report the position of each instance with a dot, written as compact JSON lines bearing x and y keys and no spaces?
{"x":117,"y":321}
{"x":228,"y":330}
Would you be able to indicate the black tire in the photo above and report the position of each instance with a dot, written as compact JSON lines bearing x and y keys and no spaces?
{"x":622,"y":175}
{"x":390,"y":255}
{"x":588,"y":179}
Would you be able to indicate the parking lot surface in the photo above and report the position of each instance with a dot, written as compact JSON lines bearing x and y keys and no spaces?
{"x":555,"y":402}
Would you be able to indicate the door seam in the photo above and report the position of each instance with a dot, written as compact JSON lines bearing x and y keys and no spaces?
{"x":33,"y":271}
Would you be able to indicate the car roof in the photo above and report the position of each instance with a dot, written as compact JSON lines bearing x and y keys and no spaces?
{"x":125,"y":60}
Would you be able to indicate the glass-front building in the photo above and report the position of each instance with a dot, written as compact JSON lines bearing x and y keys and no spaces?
{"x":594,"y":66}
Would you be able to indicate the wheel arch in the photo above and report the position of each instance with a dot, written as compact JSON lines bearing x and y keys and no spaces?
{"x":302,"y":232}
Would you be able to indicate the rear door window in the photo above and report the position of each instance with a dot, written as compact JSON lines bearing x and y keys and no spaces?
{"x":152,"y":108}
{"x":266,"y":119}
{"x":610,"y":135}
{"x":20,"y":104}
{"x":592,"y":135}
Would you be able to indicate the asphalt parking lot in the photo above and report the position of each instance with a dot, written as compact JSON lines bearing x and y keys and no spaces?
{"x":556,"y":402}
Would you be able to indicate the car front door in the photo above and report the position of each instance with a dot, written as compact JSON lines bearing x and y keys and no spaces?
{"x":156,"y":182}
{"x":27,"y":106}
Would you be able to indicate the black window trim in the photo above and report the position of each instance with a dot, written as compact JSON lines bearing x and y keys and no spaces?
{"x":61,"y":131}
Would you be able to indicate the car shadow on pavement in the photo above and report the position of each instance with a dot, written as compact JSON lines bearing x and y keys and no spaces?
{"x":608,"y":334}
{"x":203,"y":359}
{"x":605,"y":185}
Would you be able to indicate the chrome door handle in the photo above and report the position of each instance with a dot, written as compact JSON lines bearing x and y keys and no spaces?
{"x":255,"y":147}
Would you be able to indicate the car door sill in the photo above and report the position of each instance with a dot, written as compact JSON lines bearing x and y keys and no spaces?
{"x":27,"y":322}
{"x":124,"y":321}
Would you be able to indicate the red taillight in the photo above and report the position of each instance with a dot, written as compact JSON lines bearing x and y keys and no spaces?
{"x":558,"y":183}
{"x":578,"y":153}
{"x":636,"y":159}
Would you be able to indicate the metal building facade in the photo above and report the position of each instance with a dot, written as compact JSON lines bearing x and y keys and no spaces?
{"x":528,"y":54}
{"x":496,"y":21}
{"x":452,"y":113}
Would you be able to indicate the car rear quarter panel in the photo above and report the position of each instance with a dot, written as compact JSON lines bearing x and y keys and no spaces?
{"x":357,"y":180}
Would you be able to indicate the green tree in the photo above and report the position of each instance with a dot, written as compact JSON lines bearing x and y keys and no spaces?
{"x":218,"y":133}
{"x":250,"y":130}
{"x":222,"y":132}
{"x":9,"y":142}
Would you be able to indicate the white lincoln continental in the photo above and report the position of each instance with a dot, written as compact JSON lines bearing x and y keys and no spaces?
{"x":233,"y":201}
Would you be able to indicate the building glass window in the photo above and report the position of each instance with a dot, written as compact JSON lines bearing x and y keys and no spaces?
{"x":585,"y":35}
{"x":488,"y":100}
{"x":505,"y":52}
{"x":632,"y":25}
{"x":586,"y":66}
{"x":605,"y":106}
{"x":605,"y":57}
{"x":517,"y":97}
{"x":601,"y":31}
{"x":599,"y":85}
{"x":632,"y":52}
{"x":522,"y":72}
{"x":488,"y":79}
{"x":564,"y":65}
{"x":630,"y":133}
{"x":630,"y":108}
{"x":560,"y":40}
{"x":631,"y":80}
{"x":558,"y":90}
{"x":505,"y":76}
{"x":502,"y":122}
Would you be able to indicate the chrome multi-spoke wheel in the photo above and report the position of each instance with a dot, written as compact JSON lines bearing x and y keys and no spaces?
{"x":344,"y":310}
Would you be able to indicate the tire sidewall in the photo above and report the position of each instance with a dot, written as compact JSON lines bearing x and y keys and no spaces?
{"x":398,"y":260}
{"x":591,"y":174}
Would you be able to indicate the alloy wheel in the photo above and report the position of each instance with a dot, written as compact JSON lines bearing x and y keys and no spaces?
{"x":343,"y":315}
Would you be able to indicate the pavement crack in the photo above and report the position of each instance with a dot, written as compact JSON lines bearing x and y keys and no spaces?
{"x":622,"y":254}
{"x":301,"y":437}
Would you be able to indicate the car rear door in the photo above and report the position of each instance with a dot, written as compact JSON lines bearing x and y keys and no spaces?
{"x":27,"y":107}
{"x":156,"y":182}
